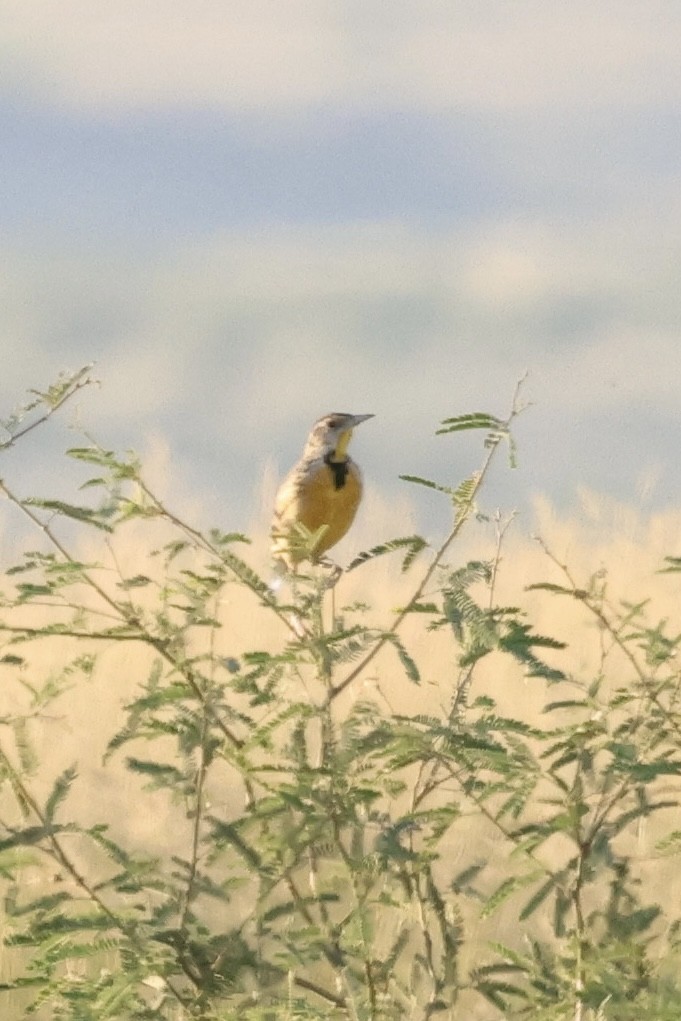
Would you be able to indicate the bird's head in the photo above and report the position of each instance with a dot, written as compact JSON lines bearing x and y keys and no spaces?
{"x":330,"y":435}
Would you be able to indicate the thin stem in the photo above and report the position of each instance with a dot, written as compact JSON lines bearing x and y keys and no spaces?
{"x":225,"y":558}
{"x":47,"y":531}
{"x":57,"y":852}
{"x":501,"y":529}
{"x":464,"y":511}
{"x":78,"y":382}
{"x":128,"y":616}
{"x":196,"y":827}
{"x":325,"y":994}
{"x":644,"y":678}
{"x":580,"y":927}
{"x":429,"y":950}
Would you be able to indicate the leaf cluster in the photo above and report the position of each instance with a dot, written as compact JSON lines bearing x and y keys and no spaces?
{"x":330,"y":857}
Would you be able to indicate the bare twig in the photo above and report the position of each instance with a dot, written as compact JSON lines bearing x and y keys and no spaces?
{"x":78,"y":381}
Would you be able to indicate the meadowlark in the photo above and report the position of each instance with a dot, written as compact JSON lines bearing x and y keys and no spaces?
{"x":317,"y":501}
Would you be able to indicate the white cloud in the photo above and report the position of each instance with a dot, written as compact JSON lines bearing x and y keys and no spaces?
{"x":536,"y":55}
{"x":265,"y":55}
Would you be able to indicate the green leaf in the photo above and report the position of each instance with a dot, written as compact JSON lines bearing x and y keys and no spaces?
{"x":219,"y":538}
{"x":645,"y":772}
{"x":406,"y":660}
{"x":417,"y":480}
{"x":27,"y":754}
{"x":464,"y":493}
{"x":429,"y":608}
{"x":106,"y":459}
{"x":48,"y":401}
{"x":161,"y":774}
{"x":247,"y":575}
{"x":69,"y":510}
{"x":669,"y":844}
{"x":506,"y":889}
{"x":537,"y":899}
{"x":637,"y":922}
{"x":520,"y":642}
{"x":27,"y":591}
{"x":229,"y":833}
{"x":138,"y":581}
{"x":494,"y":438}
{"x":32,"y":835}
{"x":413,"y":544}
{"x":61,"y":788}
{"x":93,"y":483}
{"x":475,"y":420}
{"x":547,"y":586}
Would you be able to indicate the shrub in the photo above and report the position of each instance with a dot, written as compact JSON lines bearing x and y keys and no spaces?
{"x":307,"y":854}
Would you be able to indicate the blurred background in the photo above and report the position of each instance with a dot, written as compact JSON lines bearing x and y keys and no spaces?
{"x":249,"y":213}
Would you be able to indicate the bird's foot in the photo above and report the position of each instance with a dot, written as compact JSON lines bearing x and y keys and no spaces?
{"x":335,"y":572}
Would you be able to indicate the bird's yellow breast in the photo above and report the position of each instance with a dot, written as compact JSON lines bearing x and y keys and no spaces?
{"x":312,"y":497}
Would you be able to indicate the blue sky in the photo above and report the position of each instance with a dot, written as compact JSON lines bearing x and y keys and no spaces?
{"x":248,"y":214}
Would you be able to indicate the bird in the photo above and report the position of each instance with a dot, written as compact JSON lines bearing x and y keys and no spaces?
{"x":317,"y":501}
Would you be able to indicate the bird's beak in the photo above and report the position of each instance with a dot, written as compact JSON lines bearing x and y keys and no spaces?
{"x":344,"y":438}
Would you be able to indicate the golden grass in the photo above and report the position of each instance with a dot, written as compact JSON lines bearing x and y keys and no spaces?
{"x":604,"y":536}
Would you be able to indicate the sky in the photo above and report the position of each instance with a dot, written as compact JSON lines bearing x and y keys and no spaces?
{"x":247,"y":214}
